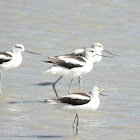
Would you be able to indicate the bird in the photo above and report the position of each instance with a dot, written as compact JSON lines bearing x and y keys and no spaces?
{"x":78,"y":103}
{"x":79,"y":52}
{"x":10,"y":60}
{"x":98,"y":48}
{"x":71,"y":66}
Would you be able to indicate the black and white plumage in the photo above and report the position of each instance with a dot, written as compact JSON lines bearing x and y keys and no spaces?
{"x":78,"y":102}
{"x":72,"y":66}
{"x":10,"y":60}
{"x":4,"y":57}
{"x":98,"y":48}
{"x":68,"y":62}
{"x":78,"y":52}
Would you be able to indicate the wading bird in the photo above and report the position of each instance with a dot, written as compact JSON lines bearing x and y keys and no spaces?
{"x":78,"y":103}
{"x":10,"y":60}
{"x":72,"y":66}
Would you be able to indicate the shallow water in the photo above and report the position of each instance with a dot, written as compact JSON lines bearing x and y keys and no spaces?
{"x":54,"y":27}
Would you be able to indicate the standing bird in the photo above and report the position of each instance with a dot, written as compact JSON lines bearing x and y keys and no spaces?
{"x":71,"y":66}
{"x":78,"y":102}
{"x":10,"y":60}
{"x":98,"y":48}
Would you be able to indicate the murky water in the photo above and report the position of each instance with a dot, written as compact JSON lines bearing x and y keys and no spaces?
{"x":54,"y":27}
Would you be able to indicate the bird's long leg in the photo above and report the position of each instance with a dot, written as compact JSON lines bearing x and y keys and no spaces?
{"x":70,"y":86}
{"x":74,"y":120}
{"x":80,"y":82}
{"x":77,"y":123}
{"x":0,"y":81}
{"x":53,"y":85}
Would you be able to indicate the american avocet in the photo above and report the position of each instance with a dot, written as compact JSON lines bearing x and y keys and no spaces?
{"x":13,"y":59}
{"x":78,"y":52}
{"x":98,"y":48}
{"x":78,"y":102}
{"x":71,"y":66}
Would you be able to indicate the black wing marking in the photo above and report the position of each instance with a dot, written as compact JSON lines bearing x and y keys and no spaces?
{"x":72,"y":101}
{"x":4,"y":60}
{"x":69,"y":65}
{"x":5,"y":57}
{"x":6,"y":54}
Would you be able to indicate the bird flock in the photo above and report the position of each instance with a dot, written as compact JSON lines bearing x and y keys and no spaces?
{"x":72,"y":65}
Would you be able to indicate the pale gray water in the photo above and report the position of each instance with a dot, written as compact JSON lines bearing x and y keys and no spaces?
{"x":55,"y":27}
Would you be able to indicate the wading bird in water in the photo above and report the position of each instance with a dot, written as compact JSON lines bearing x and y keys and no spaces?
{"x":78,"y":103}
{"x":72,"y":66}
{"x":10,"y":60}
{"x":98,"y":48}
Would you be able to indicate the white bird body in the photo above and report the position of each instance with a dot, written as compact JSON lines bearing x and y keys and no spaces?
{"x":98,"y":49}
{"x":72,"y":66}
{"x":98,"y":57}
{"x":91,"y":106}
{"x":78,"y":102}
{"x":78,"y":51}
{"x":9,"y":60}
{"x":16,"y":60}
{"x":73,"y":72}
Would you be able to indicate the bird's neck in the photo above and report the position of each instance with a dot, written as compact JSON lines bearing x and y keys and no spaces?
{"x":16,"y":52}
{"x":95,"y":96}
{"x":88,"y":57}
{"x":99,"y":52}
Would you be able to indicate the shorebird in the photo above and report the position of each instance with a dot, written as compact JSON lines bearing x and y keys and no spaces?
{"x":77,"y":103}
{"x":10,"y":60}
{"x":71,"y":66}
{"x":98,"y":48}
{"x":79,"y":52}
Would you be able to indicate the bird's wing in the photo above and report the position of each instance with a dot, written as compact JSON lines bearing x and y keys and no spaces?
{"x":5,"y":57}
{"x":78,"y":51}
{"x":67,"y":61}
{"x":67,"y":55}
{"x":75,"y":99}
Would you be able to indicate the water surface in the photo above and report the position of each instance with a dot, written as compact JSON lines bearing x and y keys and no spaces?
{"x":54,"y":27}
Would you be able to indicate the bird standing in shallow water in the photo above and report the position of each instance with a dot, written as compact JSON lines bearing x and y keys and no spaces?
{"x":10,"y":60}
{"x":71,"y":66}
{"x":78,"y":102}
{"x":98,"y":48}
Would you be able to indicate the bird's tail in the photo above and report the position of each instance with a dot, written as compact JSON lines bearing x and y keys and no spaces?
{"x":50,"y":101}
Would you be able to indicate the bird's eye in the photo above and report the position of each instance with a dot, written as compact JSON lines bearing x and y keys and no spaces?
{"x":18,"y":47}
{"x":92,"y":51}
{"x":100,"y":46}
